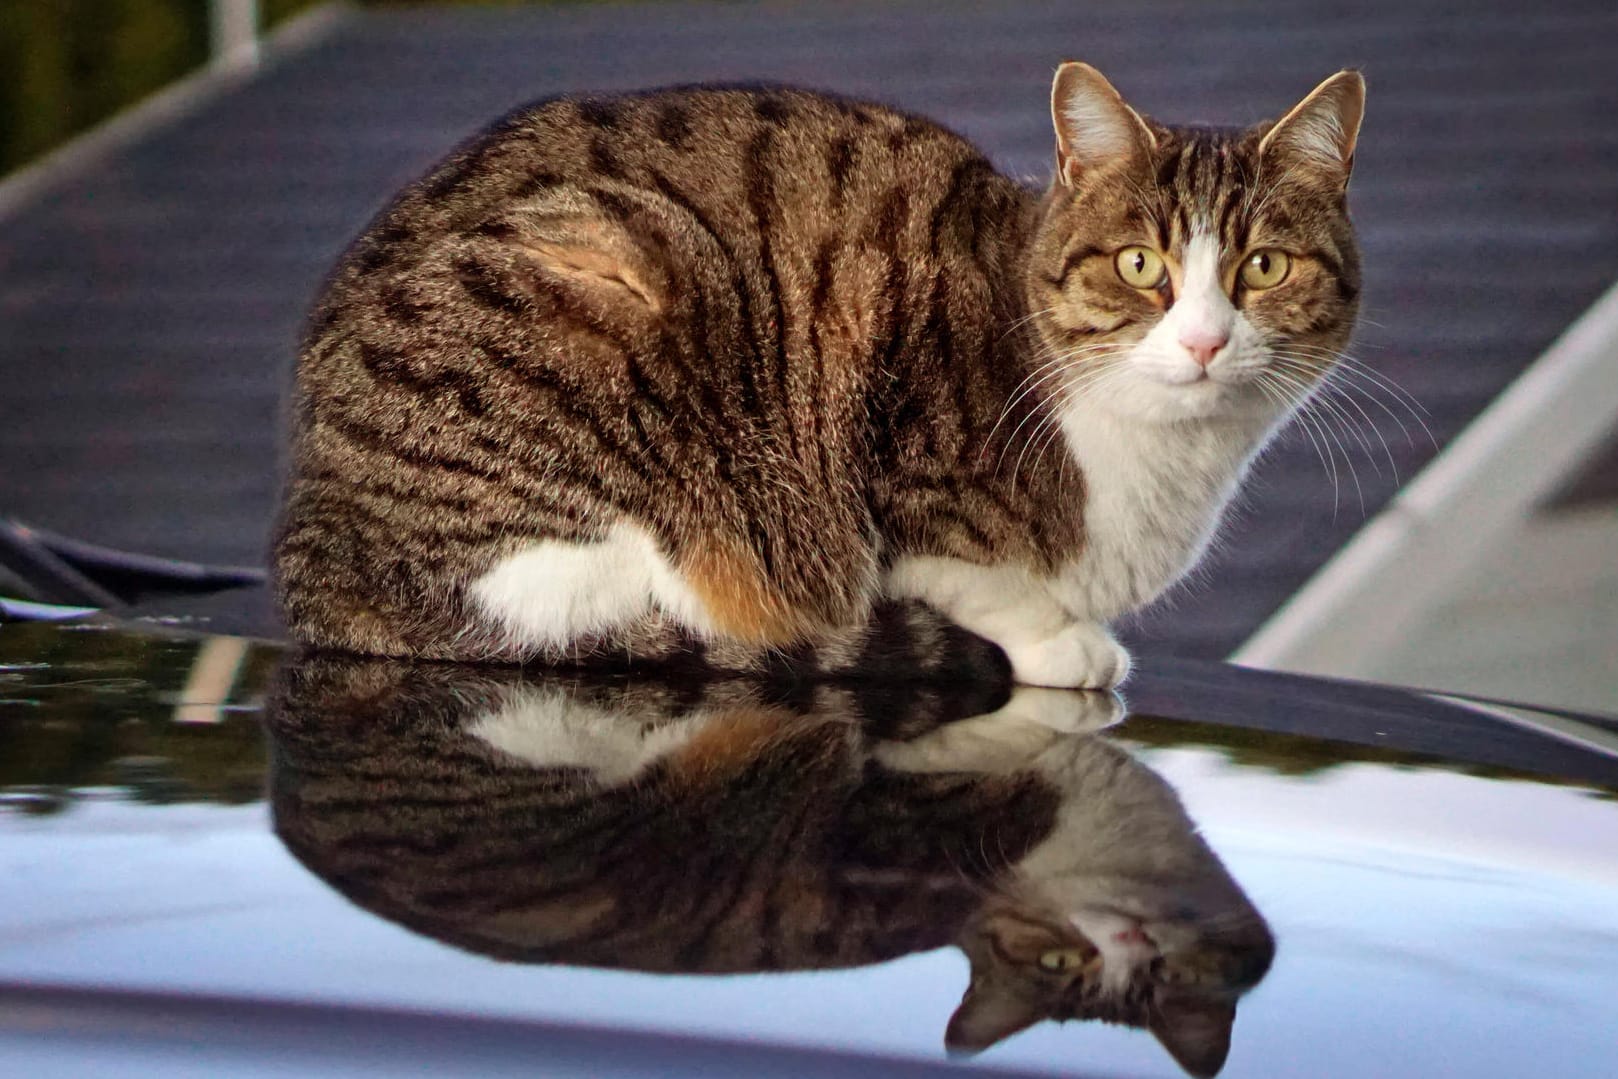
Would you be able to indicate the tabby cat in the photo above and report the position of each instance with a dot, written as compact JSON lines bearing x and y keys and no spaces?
{"x":725,"y":826}
{"x":728,"y":368}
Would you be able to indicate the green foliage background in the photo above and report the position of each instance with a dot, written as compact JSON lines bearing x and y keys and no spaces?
{"x":65,"y":65}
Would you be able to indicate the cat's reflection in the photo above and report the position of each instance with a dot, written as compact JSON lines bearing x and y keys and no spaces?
{"x":720,"y":827}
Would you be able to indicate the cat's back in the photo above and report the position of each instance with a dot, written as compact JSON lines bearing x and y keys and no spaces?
{"x":720,"y":171}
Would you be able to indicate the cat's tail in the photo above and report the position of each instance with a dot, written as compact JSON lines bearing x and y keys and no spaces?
{"x":902,"y":639}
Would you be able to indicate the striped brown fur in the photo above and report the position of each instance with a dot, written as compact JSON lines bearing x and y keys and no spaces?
{"x":780,"y":332}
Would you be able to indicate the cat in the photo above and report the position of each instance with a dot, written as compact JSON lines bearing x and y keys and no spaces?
{"x":729,"y":369}
{"x":738,"y":825}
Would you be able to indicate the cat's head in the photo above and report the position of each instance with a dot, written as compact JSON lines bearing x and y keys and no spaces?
{"x":1177,"y":978}
{"x":1185,"y":272}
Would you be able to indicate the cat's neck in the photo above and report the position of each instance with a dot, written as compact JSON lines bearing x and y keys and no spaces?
{"x":1153,"y":496}
{"x":1192,"y":453}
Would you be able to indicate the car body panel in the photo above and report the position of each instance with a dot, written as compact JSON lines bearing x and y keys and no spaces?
{"x":1442,"y":882}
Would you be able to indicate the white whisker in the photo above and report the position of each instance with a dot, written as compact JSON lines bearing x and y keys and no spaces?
{"x":1310,"y":403}
{"x":1312,"y":428}
{"x":1325,"y":391}
{"x":1335,"y":383}
{"x":1356,"y":370}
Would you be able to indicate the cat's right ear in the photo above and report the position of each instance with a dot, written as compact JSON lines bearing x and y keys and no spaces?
{"x":1094,"y":126}
{"x":1317,"y":137}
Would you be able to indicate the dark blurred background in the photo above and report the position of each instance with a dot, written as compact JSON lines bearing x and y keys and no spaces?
{"x":65,"y":65}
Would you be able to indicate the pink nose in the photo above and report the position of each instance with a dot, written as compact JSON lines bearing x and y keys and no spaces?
{"x":1203,"y":344}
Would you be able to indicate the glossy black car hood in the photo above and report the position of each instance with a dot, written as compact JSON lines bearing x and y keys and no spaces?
{"x":1441,"y":879}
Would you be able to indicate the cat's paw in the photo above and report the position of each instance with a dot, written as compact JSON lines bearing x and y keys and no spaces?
{"x":1079,"y":656}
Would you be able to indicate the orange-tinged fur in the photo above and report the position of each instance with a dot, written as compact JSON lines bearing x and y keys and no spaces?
{"x":741,"y":604}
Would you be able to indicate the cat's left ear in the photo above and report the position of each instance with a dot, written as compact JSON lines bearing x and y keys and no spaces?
{"x":1195,"y":1031}
{"x":1094,"y":126}
{"x":1320,"y":132}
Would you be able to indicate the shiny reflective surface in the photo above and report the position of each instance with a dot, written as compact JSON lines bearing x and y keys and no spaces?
{"x":721,"y":827}
{"x":847,"y":861}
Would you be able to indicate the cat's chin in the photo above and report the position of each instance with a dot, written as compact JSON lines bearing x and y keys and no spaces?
{"x":1154,"y":400}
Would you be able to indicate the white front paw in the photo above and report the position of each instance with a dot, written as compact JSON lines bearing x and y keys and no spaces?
{"x":1079,"y":656}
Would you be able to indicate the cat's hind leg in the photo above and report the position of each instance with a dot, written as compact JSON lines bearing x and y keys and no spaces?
{"x":546,"y":598}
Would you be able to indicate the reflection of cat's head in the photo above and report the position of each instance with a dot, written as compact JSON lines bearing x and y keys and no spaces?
{"x":1123,"y":914}
{"x":1027,"y":968}
{"x":596,"y":824}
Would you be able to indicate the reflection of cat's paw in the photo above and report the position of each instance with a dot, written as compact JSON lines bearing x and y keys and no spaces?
{"x":1027,"y":725}
{"x":1072,"y":711}
{"x":1080,"y":656}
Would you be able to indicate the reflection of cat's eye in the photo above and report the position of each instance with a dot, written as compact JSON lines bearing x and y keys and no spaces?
{"x":1062,"y":960}
{"x":1140,"y":267}
{"x":1266,"y":269}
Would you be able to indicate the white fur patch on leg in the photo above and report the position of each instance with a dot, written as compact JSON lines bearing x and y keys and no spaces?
{"x":555,"y":592}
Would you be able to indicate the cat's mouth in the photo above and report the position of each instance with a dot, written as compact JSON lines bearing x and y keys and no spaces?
{"x":1230,"y":377}
{"x":1195,"y":380}
{"x":1203,"y":392}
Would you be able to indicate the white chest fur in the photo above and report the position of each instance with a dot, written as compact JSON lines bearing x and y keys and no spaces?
{"x":1154,"y":493}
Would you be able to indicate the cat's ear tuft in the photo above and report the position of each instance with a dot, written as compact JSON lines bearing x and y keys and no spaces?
{"x":1195,"y":1031}
{"x":1093,"y":125}
{"x":1320,"y":131}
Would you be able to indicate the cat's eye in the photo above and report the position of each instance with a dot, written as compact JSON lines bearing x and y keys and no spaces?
{"x":1266,"y":269}
{"x":1140,"y":267}
{"x":1063,"y":960}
